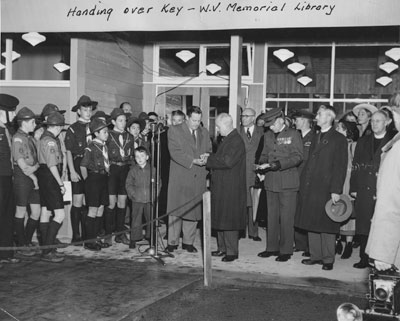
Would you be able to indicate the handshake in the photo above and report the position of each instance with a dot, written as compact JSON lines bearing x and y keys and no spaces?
{"x":267,"y":167}
{"x":202,"y":160}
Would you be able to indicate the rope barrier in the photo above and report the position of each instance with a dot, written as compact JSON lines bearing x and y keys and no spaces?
{"x":194,"y":201}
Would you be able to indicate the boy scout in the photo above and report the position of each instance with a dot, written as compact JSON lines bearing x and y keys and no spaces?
{"x":95,"y":167}
{"x":119,"y":150}
{"x":26,"y":187}
{"x":51,"y":186}
{"x":76,"y":141}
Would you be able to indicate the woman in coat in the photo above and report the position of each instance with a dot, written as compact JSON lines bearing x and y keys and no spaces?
{"x":366,"y":163}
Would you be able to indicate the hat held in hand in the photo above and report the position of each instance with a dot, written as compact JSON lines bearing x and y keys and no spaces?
{"x":340,"y":211}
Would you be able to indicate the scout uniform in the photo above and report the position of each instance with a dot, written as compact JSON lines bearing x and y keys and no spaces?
{"x":119,"y":149}
{"x":50,"y":155}
{"x":96,"y":161}
{"x":76,"y":140}
{"x":8,"y":103}
{"x":24,"y":147}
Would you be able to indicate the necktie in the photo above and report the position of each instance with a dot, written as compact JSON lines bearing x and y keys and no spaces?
{"x":194,"y":136}
{"x":121,"y":140}
{"x":88,"y":134}
{"x":106,"y":160}
{"x":248,"y":133}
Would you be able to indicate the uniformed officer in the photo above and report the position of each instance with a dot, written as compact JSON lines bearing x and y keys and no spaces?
{"x":8,"y":104}
{"x":119,"y":150}
{"x":76,"y":141}
{"x":281,"y":156}
{"x":51,"y":186}
{"x":95,"y":168}
{"x":26,"y":188}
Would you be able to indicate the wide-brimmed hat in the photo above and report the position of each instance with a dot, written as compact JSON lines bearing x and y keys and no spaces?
{"x":340,"y":211}
{"x":100,"y":114}
{"x":8,"y":102}
{"x":84,"y":101}
{"x":143,"y":115}
{"x":271,"y":115}
{"x":25,"y":114}
{"x":55,"y":119}
{"x":371,"y":108}
{"x":96,"y":125}
{"x":50,"y":108}
{"x":116,"y":112}
{"x":303,"y":113}
{"x":136,"y":120}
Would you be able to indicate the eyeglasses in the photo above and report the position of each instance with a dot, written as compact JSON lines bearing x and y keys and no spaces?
{"x":246,"y":115}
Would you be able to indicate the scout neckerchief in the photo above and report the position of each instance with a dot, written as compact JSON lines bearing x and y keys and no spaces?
{"x":104,"y":152}
{"x":88,"y":134}
{"x":120,"y":142}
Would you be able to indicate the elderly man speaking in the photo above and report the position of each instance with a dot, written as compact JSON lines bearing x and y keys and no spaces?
{"x":228,"y":189}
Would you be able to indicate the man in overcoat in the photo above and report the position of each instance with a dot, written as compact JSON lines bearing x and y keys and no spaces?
{"x":322,"y":179}
{"x":252,"y":137}
{"x":228,"y":189}
{"x":366,"y":162}
{"x":281,"y":155}
{"x":188,"y":144}
{"x":384,"y":238}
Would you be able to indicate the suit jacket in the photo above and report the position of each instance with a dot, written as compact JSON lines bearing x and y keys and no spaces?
{"x":251,"y":146}
{"x":323,"y":174}
{"x":187,"y":182}
{"x":228,"y":184}
{"x":287,"y":148}
{"x":384,"y":237}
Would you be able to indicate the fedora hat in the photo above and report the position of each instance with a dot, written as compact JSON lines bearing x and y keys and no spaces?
{"x":96,"y":125}
{"x":369,"y":107}
{"x":84,"y":101}
{"x":135,"y":120}
{"x":340,"y":211}
{"x":55,"y":119}
{"x":8,"y":102}
{"x":270,"y":116}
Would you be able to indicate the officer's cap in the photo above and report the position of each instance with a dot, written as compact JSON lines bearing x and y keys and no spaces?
{"x":271,"y":115}
{"x":8,"y":102}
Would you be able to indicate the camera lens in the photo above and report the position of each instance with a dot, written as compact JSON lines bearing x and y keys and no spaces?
{"x":381,"y":294}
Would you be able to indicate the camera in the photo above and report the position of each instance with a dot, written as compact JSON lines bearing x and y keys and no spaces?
{"x":384,"y":293}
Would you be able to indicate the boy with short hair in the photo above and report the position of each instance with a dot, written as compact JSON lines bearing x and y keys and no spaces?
{"x":138,"y":185}
{"x":51,"y":187}
{"x":76,"y":141}
{"x":95,"y":168}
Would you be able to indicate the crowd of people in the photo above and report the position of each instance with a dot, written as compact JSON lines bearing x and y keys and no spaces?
{"x":300,"y":161}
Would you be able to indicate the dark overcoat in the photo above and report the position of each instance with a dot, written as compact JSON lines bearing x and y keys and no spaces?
{"x":187,"y":182}
{"x":252,"y":145}
{"x":364,"y":173}
{"x":228,"y":184}
{"x":323,"y":174}
{"x":307,"y":140}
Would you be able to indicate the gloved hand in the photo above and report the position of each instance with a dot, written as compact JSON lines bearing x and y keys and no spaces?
{"x":275,"y":166}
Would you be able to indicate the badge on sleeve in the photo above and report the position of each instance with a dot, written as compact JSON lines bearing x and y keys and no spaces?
{"x":17,"y":140}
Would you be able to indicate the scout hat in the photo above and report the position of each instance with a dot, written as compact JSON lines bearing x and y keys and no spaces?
{"x":371,"y":108}
{"x":340,"y":211}
{"x":55,"y":119}
{"x":143,"y":116}
{"x":303,"y":113}
{"x":25,"y":114}
{"x":84,"y":101}
{"x":134,"y":120}
{"x":50,"y":108}
{"x":8,"y":102}
{"x":96,"y":125}
{"x":271,"y":115}
{"x":116,"y":112}
{"x":100,"y":114}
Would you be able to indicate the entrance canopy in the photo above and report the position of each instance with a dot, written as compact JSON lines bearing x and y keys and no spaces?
{"x":169,"y":15}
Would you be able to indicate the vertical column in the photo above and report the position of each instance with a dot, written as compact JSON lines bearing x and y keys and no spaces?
{"x":235,"y":78}
{"x":9,"y":49}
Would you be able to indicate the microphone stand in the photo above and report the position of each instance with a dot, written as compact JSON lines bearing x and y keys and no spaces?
{"x":154,"y":191}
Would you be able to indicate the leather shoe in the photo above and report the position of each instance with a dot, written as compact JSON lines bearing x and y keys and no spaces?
{"x":217,"y":253}
{"x":92,"y":247}
{"x":256,"y":238}
{"x":132,"y":244}
{"x":268,"y":253}
{"x":306,"y":254}
{"x":283,"y":258}
{"x":327,"y":266}
{"x":361,"y":265}
{"x":229,"y":258}
{"x":171,"y":248}
{"x":189,"y":248}
{"x":311,"y":262}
